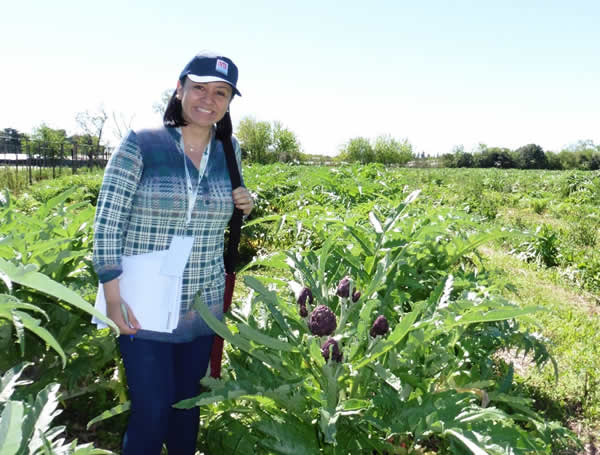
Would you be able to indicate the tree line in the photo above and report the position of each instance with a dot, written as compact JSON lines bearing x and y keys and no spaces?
{"x":584,"y":155}
{"x":269,"y":142}
{"x":48,"y":142}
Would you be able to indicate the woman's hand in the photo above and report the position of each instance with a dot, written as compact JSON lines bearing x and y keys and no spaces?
{"x":118,"y":310}
{"x":243,"y":200}
{"x":122,"y":315}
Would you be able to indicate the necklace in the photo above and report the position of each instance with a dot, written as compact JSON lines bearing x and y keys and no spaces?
{"x":193,"y":149}
{"x":192,"y":195}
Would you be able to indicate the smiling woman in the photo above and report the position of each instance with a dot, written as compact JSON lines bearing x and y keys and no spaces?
{"x":165,"y":201}
{"x":202,"y":105}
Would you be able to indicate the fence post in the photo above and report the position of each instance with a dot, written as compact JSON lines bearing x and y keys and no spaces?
{"x":73,"y":157}
{"x":40,"y":160}
{"x":53,"y":158}
{"x":17,"y":154}
{"x":62,"y":158}
{"x":29,"y":160}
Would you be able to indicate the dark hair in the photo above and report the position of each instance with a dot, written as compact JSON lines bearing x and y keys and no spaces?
{"x":224,"y":128}
{"x":173,"y":115}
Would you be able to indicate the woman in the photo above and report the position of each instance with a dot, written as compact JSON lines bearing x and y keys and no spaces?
{"x":167,"y":193}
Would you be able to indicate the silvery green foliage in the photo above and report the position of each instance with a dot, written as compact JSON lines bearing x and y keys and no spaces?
{"x":26,"y":425}
{"x":429,"y":380}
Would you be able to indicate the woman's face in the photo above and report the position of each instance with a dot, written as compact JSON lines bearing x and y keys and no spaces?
{"x":203,"y":103}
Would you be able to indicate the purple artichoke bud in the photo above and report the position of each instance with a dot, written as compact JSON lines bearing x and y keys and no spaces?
{"x":343,"y":289}
{"x":380,"y":326}
{"x":322,"y":321}
{"x":303,"y":310}
{"x":355,"y":296}
{"x":331,"y":346}
{"x":306,"y":294}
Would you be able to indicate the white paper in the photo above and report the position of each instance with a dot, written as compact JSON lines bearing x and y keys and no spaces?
{"x":154,"y":296}
{"x":177,"y":256}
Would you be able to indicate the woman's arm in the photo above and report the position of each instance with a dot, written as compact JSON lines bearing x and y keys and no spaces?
{"x":121,"y":178}
{"x":119,"y":185}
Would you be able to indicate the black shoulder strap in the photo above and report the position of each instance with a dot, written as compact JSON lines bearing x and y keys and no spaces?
{"x":235,"y":224}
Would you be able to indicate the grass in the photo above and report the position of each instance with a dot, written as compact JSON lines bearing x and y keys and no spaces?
{"x":572,"y":325}
{"x":17,"y":179}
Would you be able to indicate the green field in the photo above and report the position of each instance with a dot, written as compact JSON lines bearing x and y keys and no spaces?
{"x":490,"y":281}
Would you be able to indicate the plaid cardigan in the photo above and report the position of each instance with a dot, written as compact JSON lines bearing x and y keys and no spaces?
{"x":142,"y":204}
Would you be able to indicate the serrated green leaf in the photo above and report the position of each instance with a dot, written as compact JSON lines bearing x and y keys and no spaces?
{"x":293,"y":438}
{"x":32,"y":325}
{"x":469,"y":444}
{"x":10,"y":380}
{"x":27,"y":276}
{"x":500,"y":314}
{"x":114,"y":411}
{"x":274,"y":261}
{"x":327,"y":424}
{"x":265,"y":340}
{"x":271,"y":299}
{"x":375,"y":223}
{"x":361,"y":235}
{"x":11,"y":433}
{"x":4,"y":277}
{"x":221,"y":329}
{"x":43,"y":412}
{"x":354,"y":404}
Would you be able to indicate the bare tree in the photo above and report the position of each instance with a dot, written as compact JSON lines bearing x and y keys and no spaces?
{"x":121,"y":124}
{"x":161,"y":106}
{"x":93,"y":123}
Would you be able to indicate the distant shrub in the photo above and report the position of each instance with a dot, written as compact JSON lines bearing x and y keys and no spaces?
{"x":542,"y":248}
{"x":539,"y":205}
{"x":263,"y":142}
{"x":358,"y":150}
{"x":384,"y":149}
{"x":531,"y":156}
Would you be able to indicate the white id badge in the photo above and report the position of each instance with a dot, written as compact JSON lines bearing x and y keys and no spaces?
{"x":177,"y":256}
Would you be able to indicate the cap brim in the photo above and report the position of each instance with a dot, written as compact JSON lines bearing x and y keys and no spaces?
{"x":203,"y":79}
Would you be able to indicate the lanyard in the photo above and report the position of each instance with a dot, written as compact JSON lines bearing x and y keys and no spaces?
{"x":191,"y":194}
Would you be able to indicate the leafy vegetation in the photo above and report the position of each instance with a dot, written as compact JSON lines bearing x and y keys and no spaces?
{"x":430,"y":384}
{"x":474,"y":271}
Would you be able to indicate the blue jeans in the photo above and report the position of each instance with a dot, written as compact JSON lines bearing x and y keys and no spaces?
{"x":159,"y":375}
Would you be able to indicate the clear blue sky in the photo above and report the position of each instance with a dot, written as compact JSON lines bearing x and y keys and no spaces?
{"x":440,"y":73}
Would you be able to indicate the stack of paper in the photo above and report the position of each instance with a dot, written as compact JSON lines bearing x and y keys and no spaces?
{"x":153,"y":295}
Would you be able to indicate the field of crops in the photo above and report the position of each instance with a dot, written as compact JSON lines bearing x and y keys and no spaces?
{"x":484,"y":284}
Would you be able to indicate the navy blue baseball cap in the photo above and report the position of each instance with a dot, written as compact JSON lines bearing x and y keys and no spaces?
{"x":210,"y":67}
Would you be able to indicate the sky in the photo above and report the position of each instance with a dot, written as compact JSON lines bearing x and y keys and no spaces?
{"x":437,"y":73}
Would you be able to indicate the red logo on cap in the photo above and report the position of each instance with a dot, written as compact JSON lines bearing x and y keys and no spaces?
{"x":222,"y":67}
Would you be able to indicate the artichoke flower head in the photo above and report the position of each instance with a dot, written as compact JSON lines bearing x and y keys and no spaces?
{"x":343,"y":288}
{"x":331,"y":347}
{"x":380,"y":326}
{"x":305,"y":295}
{"x":322,"y":321}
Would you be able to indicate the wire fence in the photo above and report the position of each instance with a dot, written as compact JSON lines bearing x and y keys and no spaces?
{"x":24,"y":154}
